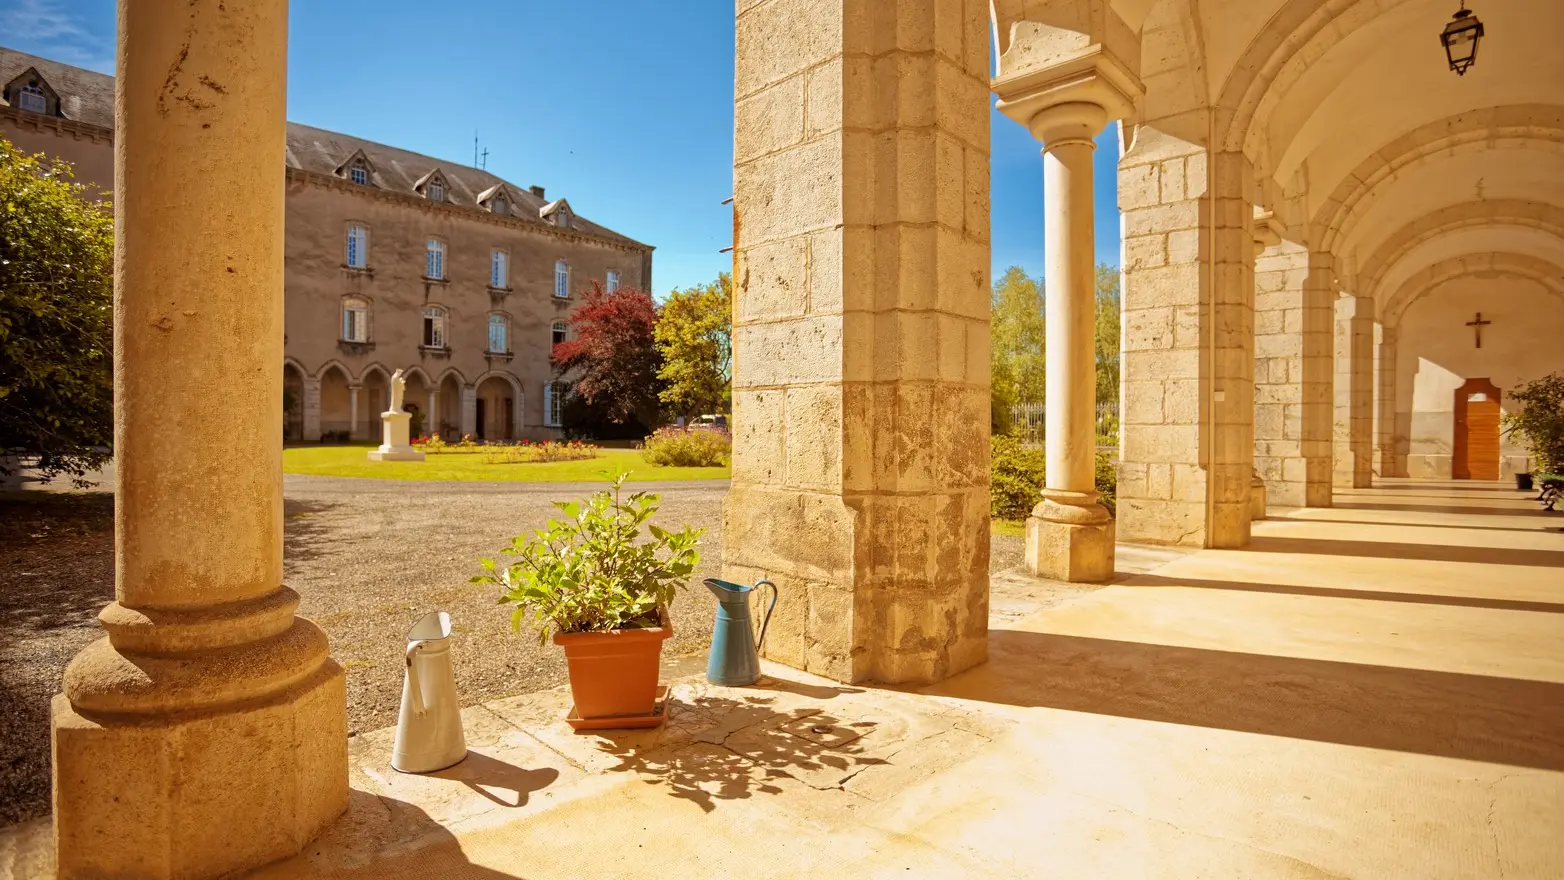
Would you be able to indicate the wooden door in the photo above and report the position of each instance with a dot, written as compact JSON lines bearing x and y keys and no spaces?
{"x":1476,"y":453}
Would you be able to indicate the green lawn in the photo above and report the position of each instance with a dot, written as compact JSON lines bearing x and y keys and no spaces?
{"x":1008,"y":528}
{"x":353,"y":461}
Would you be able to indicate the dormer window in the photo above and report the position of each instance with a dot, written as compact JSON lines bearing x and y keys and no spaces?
{"x":436,"y":191}
{"x":32,"y":98}
{"x":499,"y":206}
{"x":359,"y":174}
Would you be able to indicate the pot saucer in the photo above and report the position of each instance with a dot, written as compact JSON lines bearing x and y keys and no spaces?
{"x":658,"y":715}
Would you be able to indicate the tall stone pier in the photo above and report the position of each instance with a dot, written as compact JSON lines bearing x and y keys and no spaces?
{"x":861,"y":354}
{"x":206,"y":734}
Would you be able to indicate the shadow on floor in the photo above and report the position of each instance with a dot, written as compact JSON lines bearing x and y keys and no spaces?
{"x":382,"y":838}
{"x":1457,"y":509}
{"x":749,"y":748}
{"x":1401,"y":550}
{"x":1446,"y":714}
{"x":303,"y":535}
{"x":484,"y":775}
{"x":1538,"y":527}
{"x":1153,"y":581}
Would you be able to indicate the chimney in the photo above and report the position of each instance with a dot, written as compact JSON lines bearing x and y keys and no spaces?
{"x":536,"y":190}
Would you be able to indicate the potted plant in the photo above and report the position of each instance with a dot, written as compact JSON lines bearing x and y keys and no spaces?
{"x":1540,"y":422}
{"x":601,"y":592}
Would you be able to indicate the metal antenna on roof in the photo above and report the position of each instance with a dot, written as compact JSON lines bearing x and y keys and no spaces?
{"x":475,"y":148}
{"x":485,"y":165}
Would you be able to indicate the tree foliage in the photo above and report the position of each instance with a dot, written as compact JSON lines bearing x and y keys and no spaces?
{"x":695,"y":339}
{"x":1540,"y":422}
{"x":56,"y":317}
{"x":1016,"y":349}
{"x":611,"y":359}
{"x":1107,"y":334}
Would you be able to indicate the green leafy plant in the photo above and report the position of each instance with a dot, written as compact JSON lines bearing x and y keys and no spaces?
{"x":1017,"y":474}
{"x":589,"y":572}
{"x":1541,"y":421}
{"x":688,"y":447}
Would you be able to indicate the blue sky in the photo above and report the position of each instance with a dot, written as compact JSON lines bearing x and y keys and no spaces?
{"x":623,"y":106}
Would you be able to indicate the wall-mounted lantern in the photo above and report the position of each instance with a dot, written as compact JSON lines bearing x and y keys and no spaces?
{"x":1460,"y":38}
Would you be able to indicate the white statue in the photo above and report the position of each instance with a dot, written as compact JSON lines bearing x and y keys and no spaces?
{"x":398,"y":387}
{"x":396,"y":428}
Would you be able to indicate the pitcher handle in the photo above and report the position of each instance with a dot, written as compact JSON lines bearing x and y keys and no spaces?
{"x":413,"y":685}
{"x":766,"y":621}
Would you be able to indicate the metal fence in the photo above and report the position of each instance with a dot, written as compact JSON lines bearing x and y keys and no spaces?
{"x":1029,"y":421}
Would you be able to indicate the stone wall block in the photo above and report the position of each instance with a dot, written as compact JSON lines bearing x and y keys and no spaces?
{"x":805,"y":350}
{"x":808,"y":175}
{"x":770,"y":283}
{"x":759,"y":444}
{"x":770,"y":46}
{"x":813,"y":429}
{"x":770,"y":120}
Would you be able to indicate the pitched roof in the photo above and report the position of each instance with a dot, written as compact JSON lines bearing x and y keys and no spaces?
{"x":86,"y":96}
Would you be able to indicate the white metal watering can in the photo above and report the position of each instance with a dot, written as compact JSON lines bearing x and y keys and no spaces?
{"x":429,"y":726}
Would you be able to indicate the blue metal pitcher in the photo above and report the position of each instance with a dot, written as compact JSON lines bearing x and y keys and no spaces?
{"x":735,"y":652}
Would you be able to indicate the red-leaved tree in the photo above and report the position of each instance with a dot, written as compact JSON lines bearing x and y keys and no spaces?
{"x":610,"y":358}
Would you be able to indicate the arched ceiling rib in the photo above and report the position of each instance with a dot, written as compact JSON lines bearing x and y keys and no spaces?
{"x":1546,"y":273}
{"x":1548,"y":219}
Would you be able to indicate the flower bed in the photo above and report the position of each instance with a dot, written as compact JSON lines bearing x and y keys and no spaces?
{"x":527,"y":452}
{"x":435,"y":445}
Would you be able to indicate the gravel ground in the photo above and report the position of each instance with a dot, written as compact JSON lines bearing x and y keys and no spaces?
{"x":369,"y":557}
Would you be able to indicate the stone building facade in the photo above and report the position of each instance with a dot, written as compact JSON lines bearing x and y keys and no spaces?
{"x":394,"y":260}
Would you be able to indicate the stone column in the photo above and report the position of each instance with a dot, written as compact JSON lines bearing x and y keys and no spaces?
{"x":1187,"y":448}
{"x":311,"y":432}
{"x":1390,"y":462}
{"x":1354,"y":393}
{"x":207,"y":733}
{"x":354,"y":432}
{"x":861,"y":358}
{"x":1292,"y":363}
{"x":432,"y":414}
{"x":469,"y":410}
{"x":1069,"y":535}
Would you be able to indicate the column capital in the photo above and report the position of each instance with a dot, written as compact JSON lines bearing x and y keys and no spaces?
{"x":1092,"y":77}
{"x":1074,"y":122}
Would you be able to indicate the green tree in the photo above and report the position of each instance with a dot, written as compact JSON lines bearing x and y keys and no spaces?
{"x":1107,"y":333}
{"x":695,"y":336}
{"x":1017,"y":366}
{"x":56,"y":317}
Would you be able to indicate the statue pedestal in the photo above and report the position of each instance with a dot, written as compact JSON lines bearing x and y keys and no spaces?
{"x":394,"y":439}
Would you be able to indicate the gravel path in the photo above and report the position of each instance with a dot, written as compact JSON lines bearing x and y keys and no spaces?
{"x":369,"y":557}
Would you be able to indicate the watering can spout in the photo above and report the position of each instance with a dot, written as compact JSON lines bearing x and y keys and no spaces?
{"x":725,"y":591}
{"x":735,"y":650}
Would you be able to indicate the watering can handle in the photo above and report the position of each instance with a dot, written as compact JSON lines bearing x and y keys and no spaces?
{"x":766,"y":621}
{"x":413,"y":686}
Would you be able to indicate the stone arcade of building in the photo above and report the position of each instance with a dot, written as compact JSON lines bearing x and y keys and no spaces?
{"x":1314,"y":207}
{"x":394,"y":260}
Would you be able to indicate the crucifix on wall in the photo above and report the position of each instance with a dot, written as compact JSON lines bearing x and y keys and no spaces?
{"x":1478,"y":326}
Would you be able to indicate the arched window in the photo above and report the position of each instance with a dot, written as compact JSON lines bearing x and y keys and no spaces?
{"x":498,"y":332}
{"x":613,"y":281}
{"x":562,"y":279}
{"x":33,"y":98}
{"x":559,"y":332}
{"x":499,"y":270}
{"x":359,"y":174}
{"x":355,"y":320}
{"x":358,"y":246}
{"x":434,"y":327}
{"x":434,"y":260}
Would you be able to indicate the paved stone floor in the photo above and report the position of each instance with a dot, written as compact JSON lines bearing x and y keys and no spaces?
{"x":1372,"y":691}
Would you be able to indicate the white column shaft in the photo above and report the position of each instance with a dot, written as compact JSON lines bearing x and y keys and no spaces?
{"x":1070,"y":304}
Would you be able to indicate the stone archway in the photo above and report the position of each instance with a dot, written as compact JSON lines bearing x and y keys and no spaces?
{"x":336,"y":399}
{"x":448,"y":421}
{"x":497,"y":403}
{"x":292,"y":403}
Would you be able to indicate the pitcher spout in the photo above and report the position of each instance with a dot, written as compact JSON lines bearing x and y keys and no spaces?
{"x":726,"y":591}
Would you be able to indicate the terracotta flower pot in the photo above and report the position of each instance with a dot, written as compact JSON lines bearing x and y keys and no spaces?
{"x":614,"y":673}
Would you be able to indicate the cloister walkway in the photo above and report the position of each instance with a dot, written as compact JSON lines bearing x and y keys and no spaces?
{"x":1374,"y":690}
